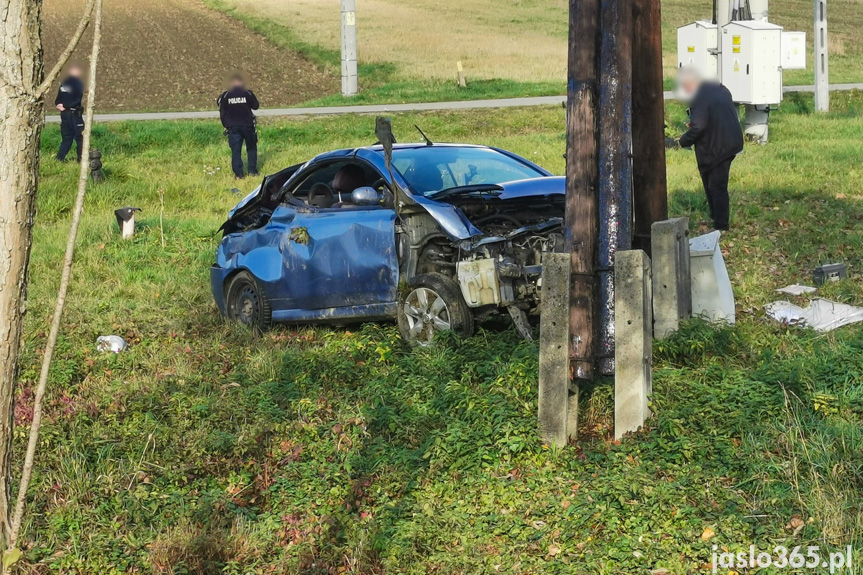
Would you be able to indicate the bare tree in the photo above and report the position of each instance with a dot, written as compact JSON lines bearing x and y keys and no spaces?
{"x":22,"y":92}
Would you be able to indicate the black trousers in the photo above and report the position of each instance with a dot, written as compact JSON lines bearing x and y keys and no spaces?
{"x":715,"y":182}
{"x":236,"y":137}
{"x":71,"y":130}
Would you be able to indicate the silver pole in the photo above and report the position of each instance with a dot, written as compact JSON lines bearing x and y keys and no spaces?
{"x":822,"y":82}
{"x":349,"y":47}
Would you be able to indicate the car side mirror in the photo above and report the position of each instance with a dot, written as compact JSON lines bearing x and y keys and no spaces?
{"x":366,"y":196}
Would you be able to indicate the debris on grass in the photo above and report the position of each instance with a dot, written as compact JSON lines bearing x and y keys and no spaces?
{"x":797,"y":289}
{"x":112,"y":343}
{"x":822,"y":315}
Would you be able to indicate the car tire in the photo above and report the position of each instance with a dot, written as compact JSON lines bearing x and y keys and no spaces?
{"x":246,"y":303}
{"x":432,"y":303}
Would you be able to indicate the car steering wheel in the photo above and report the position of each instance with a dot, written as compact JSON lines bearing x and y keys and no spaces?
{"x":321,"y":195}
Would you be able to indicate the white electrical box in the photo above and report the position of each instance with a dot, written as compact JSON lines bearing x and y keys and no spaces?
{"x":793,"y":50}
{"x":752,"y":61}
{"x":696,"y":47}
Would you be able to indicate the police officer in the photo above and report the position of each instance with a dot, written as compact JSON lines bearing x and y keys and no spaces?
{"x":714,"y":130}
{"x":235,"y":110}
{"x":68,"y":101}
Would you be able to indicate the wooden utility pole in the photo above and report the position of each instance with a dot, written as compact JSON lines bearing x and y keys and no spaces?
{"x":582,"y":181}
{"x":650,"y":187}
{"x":615,"y":162}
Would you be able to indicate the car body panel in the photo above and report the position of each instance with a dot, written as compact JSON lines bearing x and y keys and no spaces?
{"x":319,"y":259}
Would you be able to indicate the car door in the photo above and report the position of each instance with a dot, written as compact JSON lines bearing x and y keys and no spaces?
{"x":341,"y":256}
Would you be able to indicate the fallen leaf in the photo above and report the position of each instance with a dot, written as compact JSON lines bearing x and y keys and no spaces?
{"x":708,"y":534}
{"x":565,"y":504}
{"x":553,"y":550}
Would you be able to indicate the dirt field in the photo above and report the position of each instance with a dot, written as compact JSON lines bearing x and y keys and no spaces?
{"x":176,"y":55}
{"x":522,"y":40}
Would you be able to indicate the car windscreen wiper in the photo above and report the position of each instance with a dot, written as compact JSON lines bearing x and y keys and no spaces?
{"x":490,"y":189}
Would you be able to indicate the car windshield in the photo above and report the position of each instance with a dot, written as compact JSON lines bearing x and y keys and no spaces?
{"x":430,"y":169}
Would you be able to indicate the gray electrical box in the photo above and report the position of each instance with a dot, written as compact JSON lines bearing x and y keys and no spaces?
{"x":696,"y":47}
{"x":751,"y":61}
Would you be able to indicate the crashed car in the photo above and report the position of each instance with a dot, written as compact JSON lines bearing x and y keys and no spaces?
{"x":439,"y":237}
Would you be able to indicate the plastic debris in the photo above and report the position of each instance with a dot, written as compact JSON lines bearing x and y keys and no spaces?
{"x":822,"y":315}
{"x":797,"y":289}
{"x":113,"y":343}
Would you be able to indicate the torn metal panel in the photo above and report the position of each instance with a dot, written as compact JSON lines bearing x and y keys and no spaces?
{"x":821,"y":315}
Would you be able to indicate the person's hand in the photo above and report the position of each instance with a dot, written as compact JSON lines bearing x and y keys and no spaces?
{"x":61,"y":107}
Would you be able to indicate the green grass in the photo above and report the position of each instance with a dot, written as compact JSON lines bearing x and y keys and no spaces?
{"x":207,"y":449}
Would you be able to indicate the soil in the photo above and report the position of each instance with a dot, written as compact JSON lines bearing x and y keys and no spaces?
{"x":177,"y":55}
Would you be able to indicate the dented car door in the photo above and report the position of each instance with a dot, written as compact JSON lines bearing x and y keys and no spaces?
{"x":340,"y":257}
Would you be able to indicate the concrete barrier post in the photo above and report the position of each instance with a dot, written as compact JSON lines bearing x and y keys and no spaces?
{"x":672,"y":282}
{"x":633,"y":328}
{"x":558,"y":412}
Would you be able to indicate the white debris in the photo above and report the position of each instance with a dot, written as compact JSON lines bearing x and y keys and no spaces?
{"x":821,"y":315}
{"x":797,"y":289}
{"x":113,"y":343}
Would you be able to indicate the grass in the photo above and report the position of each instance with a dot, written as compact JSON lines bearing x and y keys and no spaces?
{"x":207,"y":449}
{"x":408,"y":51}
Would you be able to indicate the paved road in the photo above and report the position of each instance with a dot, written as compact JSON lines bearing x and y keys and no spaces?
{"x":390,"y":108}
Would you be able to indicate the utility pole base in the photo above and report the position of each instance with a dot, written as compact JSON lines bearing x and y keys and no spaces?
{"x":633,"y":350}
{"x":672,"y":281}
{"x":558,"y":406}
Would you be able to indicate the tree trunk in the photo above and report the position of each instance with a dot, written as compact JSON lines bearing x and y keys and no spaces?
{"x":21,"y":120}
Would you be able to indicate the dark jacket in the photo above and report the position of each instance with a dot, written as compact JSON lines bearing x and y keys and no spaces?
{"x":235,"y":108}
{"x":714,"y":126}
{"x":70,"y":94}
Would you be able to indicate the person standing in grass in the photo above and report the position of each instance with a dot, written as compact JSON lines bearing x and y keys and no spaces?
{"x":235,"y":110}
{"x":68,"y":101}
{"x":714,"y":130}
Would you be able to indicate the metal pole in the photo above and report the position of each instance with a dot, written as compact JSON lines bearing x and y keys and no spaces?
{"x":582,"y":181}
{"x":822,"y":82}
{"x":650,"y":186}
{"x":349,"y":47}
{"x":615,"y":162}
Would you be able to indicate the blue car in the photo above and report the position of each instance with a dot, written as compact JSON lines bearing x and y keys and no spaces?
{"x":442,"y":236}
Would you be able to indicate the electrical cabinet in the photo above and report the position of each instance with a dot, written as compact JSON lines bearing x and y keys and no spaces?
{"x":696,"y":47}
{"x":793,"y":50}
{"x":751,"y":61}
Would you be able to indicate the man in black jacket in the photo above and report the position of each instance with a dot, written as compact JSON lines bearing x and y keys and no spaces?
{"x":714,"y":130}
{"x":235,"y":110}
{"x":68,"y":101}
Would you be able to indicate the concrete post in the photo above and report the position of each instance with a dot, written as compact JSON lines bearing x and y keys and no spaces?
{"x":633,"y":350}
{"x":349,"y":47}
{"x":672,"y":283}
{"x":558,"y":413}
{"x":822,"y":81}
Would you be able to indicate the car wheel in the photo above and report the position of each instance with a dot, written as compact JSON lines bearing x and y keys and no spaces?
{"x":432,"y":303}
{"x":246,"y":303}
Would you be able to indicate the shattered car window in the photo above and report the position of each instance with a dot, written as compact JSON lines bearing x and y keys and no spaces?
{"x":430,"y":169}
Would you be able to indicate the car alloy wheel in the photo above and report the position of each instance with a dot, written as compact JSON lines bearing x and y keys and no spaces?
{"x":433,"y":304}
{"x":427,"y":314}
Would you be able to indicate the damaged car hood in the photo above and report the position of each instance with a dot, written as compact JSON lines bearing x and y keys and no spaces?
{"x":454,"y":223}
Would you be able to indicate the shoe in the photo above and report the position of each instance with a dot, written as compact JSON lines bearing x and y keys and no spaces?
{"x":256,"y":174}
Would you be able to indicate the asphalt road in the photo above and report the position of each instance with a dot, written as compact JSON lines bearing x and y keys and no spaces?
{"x":388,"y":108}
